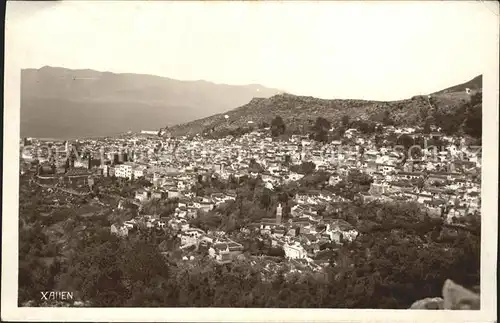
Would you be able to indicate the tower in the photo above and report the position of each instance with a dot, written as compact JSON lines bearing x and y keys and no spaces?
{"x":67,"y":147}
{"x":90,"y":182}
{"x":279,"y":212}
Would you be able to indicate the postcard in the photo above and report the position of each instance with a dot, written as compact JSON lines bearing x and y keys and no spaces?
{"x":255,"y":161}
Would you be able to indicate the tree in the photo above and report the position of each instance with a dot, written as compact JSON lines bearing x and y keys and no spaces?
{"x":387,"y":119}
{"x":364,"y":126}
{"x":346,"y":121}
{"x":66,"y":165}
{"x":359,"y":178}
{"x":254,"y":166}
{"x":472,"y":124}
{"x":277,"y":126}
{"x":395,"y":260}
{"x":427,"y":127}
{"x":321,"y":136}
{"x":316,"y":180}
{"x":322,"y":124}
{"x":406,"y":141}
{"x":276,"y":252}
{"x":305,"y":168}
{"x":320,"y":130}
{"x":265,"y":199}
{"x":283,"y":197}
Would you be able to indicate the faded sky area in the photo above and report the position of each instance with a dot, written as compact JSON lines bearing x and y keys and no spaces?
{"x":365,"y":50}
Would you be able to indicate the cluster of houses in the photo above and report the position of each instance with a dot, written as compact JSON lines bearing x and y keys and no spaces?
{"x":305,"y":231}
{"x":217,"y":245}
{"x":446,"y":183}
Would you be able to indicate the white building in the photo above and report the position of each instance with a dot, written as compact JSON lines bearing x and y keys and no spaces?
{"x":105,"y":170}
{"x":191,"y":236}
{"x":124,"y":170}
{"x":80,"y":163}
{"x":149,"y":132}
{"x":119,"y":230}
{"x":139,"y":171}
{"x":295,"y":251}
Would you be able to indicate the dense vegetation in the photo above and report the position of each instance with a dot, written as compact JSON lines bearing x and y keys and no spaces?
{"x":464,"y":118}
{"x":400,"y":256}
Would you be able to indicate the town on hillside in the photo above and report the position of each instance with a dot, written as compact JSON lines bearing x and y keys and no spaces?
{"x":306,"y":155}
{"x":289,"y":205}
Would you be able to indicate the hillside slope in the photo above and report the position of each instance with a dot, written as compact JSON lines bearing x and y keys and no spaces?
{"x":474,"y":84}
{"x":300,"y":112}
{"x":64,"y":103}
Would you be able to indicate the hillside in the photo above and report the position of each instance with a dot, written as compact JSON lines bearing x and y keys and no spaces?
{"x":300,"y":112}
{"x":474,"y":84}
{"x":64,"y":103}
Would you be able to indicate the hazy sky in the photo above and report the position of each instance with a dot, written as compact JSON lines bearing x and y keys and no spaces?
{"x":373,"y":50}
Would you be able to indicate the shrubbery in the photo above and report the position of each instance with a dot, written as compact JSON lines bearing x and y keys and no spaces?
{"x":399,"y":257}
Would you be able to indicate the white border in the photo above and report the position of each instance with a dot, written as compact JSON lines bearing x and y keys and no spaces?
{"x":11,"y":312}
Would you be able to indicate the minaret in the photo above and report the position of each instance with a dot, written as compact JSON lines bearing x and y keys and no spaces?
{"x":89,"y":161}
{"x":279,"y":211}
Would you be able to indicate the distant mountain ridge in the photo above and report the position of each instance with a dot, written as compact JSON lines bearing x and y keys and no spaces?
{"x":300,"y":112}
{"x":64,"y":103}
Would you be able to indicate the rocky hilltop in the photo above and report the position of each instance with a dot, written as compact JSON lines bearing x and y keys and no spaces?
{"x":474,"y":84}
{"x":301,"y":111}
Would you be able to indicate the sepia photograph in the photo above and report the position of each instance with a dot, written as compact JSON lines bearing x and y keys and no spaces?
{"x":250,"y":161}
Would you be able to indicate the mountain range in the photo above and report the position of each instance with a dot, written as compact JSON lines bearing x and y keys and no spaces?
{"x":63,"y":103}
